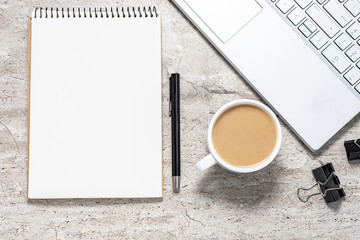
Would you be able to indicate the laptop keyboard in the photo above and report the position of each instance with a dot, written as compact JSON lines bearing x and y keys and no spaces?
{"x":333,"y":28}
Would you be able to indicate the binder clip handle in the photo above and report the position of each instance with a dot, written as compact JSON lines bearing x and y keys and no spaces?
{"x":308,"y":196}
{"x":328,"y":185}
{"x":352,"y":149}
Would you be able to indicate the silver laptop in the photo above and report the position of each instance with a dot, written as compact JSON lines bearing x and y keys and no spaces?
{"x":301,"y":56}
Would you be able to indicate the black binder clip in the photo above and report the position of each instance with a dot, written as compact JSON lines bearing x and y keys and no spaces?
{"x":328,"y":184}
{"x":352,"y":149}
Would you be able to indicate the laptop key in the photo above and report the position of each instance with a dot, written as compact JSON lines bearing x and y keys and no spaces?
{"x":310,"y":26}
{"x":284,"y":5}
{"x":304,"y":30}
{"x":336,"y":58}
{"x":303,"y":3}
{"x":358,"y":65}
{"x":343,"y":41}
{"x":319,"y":40}
{"x":336,"y":10}
{"x":354,"y":31}
{"x":353,"y":6}
{"x":296,"y":16}
{"x":321,"y":1}
{"x":353,"y":53}
{"x":358,"y":88}
{"x":323,"y":20}
{"x":352,"y":76}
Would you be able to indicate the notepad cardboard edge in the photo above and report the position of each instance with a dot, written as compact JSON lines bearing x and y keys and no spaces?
{"x":28,"y":117}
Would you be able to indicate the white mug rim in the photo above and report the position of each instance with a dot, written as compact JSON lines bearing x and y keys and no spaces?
{"x":257,"y":167}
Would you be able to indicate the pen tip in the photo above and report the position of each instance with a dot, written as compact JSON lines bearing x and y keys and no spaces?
{"x":176,"y":183}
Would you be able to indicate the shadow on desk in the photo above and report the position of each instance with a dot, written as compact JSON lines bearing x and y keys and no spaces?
{"x":258,"y":189}
{"x":243,"y":190}
{"x":93,"y":202}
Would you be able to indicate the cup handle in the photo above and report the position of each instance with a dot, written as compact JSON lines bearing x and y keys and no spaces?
{"x":205,"y":163}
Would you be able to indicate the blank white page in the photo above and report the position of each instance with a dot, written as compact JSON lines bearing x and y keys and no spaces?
{"x":95,"y":108}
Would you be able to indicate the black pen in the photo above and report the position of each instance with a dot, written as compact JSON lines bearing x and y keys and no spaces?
{"x":175,"y":129}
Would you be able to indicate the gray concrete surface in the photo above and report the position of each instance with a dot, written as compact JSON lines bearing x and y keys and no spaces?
{"x":214,"y":205}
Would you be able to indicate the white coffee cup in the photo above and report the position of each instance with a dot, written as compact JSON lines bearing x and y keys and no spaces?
{"x":213,"y":158}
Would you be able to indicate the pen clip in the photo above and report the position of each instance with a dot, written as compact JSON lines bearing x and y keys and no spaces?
{"x":170,"y":108}
{"x":170,"y":99}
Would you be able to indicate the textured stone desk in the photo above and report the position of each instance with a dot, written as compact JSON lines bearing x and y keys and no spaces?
{"x":214,"y":205}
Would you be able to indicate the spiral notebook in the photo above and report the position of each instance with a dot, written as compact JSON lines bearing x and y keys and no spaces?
{"x":95,"y":103}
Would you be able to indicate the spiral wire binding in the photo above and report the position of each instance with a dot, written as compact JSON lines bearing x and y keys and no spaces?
{"x":96,"y":12}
